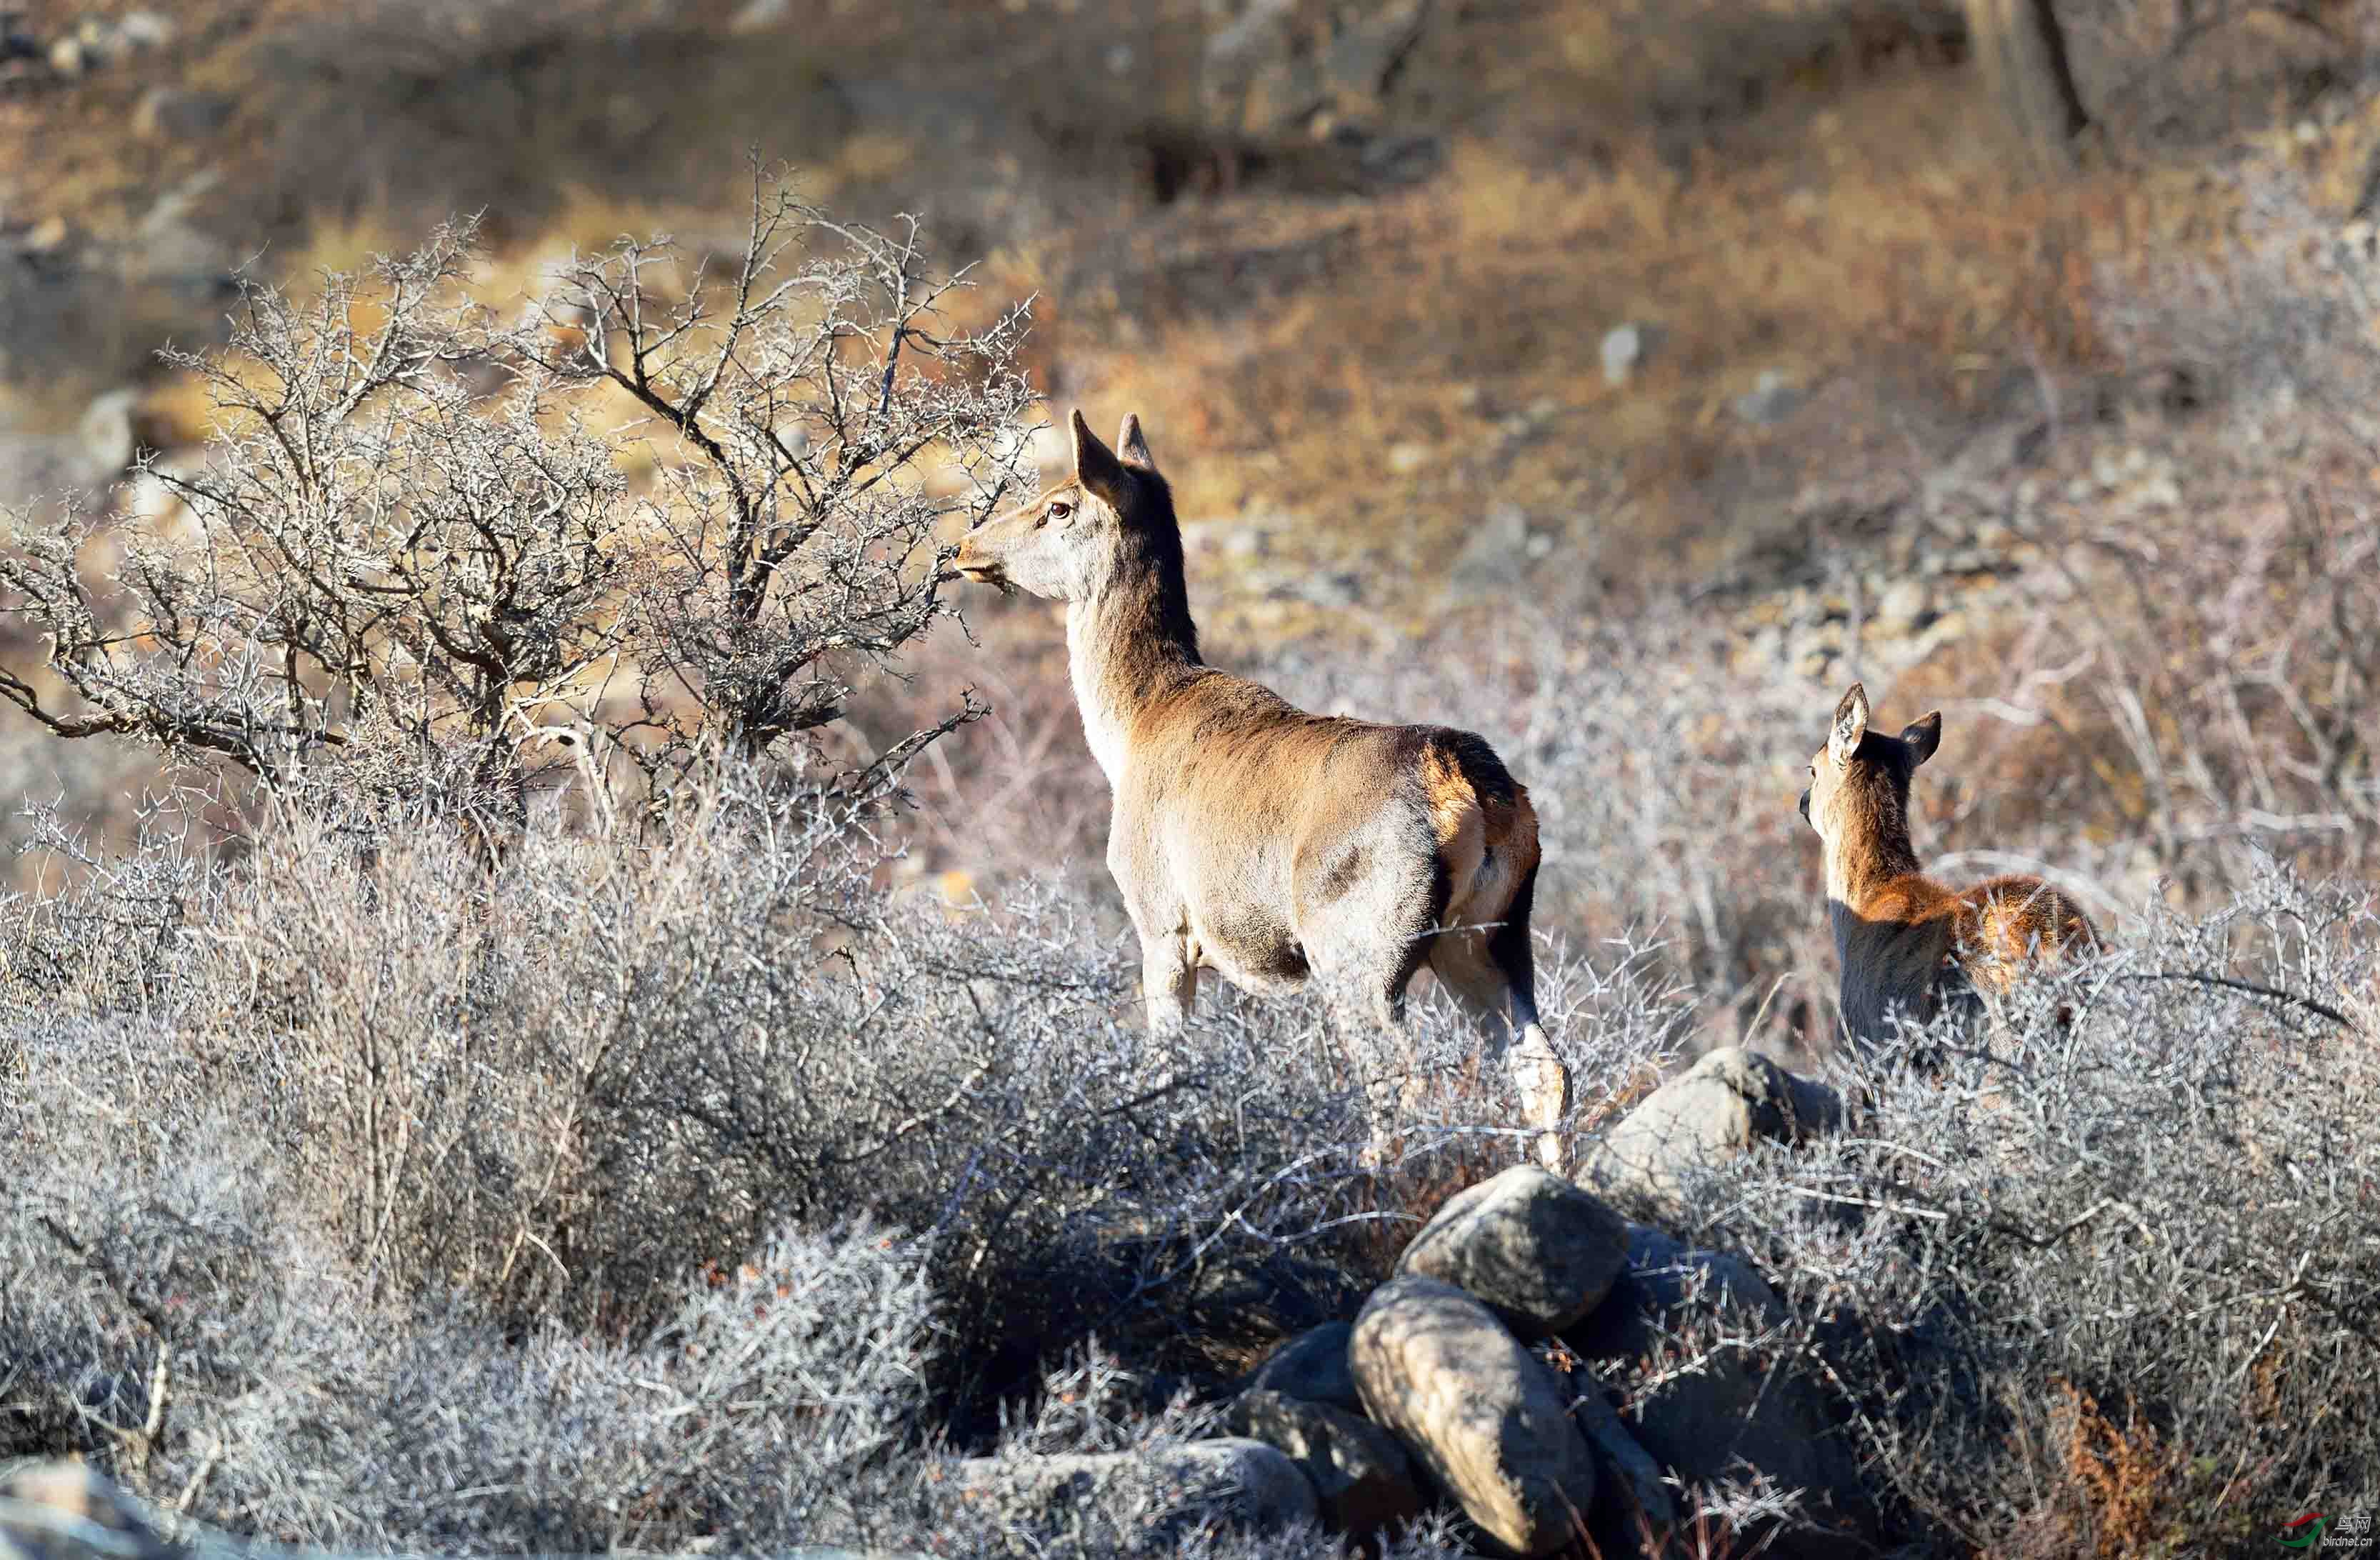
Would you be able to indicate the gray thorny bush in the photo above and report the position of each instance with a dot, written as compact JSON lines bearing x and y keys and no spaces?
{"x":660,"y":1180}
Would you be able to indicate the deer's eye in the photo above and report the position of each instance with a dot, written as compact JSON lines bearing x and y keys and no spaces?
{"x":1058,"y":511}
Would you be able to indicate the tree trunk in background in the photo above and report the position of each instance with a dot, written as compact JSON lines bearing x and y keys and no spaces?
{"x":2023,"y":50}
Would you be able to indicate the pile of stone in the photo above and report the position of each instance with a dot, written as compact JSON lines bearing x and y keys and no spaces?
{"x":1470,"y":1375}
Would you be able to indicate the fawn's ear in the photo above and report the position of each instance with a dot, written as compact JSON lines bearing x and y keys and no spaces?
{"x":1095,"y":466}
{"x":1851,"y":724}
{"x":1131,"y":444}
{"x":1922,"y":735}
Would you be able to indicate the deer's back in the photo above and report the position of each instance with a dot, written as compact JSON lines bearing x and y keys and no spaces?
{"x":1906,"y":937}
{"x":2006,"y":923}
{"x":1244,"y":804}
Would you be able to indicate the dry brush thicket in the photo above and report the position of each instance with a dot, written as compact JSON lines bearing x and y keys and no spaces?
{"x":415,"y":533}
{"x":664,"y":1180}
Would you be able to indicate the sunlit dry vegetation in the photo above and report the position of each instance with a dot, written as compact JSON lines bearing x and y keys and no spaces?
{"x":569,"y":1000}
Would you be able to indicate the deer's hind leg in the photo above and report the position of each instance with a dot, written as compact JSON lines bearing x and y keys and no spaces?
{"x":1491,"y":973}
{"x":1366,"y":944}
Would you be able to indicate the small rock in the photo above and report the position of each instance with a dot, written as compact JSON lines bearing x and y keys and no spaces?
{"x":1537,"y":1250}
{"x":1710,"y":1113}
{"x":1246,"y":36}
{"x":49,"y":234}
{"x":174,"y":114}
{"x":759,"y":16}
{"x":1312,"y":1368}
{"x":36,"y":468}
{"x":1900,"y":605}
{"x":1261,"y":1481}
{"x":143,"y":30}
{"x":1771,"y":399}
{"x":1364,"y":55}
{"x":1401,"y":159}
{"x":69,"y":58}
{"x":1336,"y":590}
{"x":1250,"y":72}
{"x":72,"y":1497}
{"x":1361,"y":1478}
{"x":1484,"y":1416}
{"x":1497,"y":555}
{"x":1542,"y":411}
{"x":1404,"y":459}
{"x":1119,"y":58}
{"x":1624,"y":351}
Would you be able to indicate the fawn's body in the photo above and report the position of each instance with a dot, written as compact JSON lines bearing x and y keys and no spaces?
{"x":1250,"y":837}
{"x":1900,"y":935}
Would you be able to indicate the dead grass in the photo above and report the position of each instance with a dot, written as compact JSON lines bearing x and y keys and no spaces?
{"x":1889,"y":234}
{"x":2114,"y":1488}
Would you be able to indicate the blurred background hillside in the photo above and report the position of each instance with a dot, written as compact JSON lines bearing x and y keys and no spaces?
{"x":1619,"y":379}
{"x":534,"y":1097}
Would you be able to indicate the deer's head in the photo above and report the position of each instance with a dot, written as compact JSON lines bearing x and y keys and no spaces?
{"x":1077,"y":537}
{"x":1862,"y":776}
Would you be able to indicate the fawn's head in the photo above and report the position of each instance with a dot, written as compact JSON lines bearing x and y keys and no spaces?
{"x":1861,"y":777}
{"x":1079,"y":536}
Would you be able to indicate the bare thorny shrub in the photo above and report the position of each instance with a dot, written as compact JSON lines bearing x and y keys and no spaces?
{"x":385,"y":561}
{"x":495,"y":1128}
{"x":2100,"y":1273}
{"x":2209,"y":678}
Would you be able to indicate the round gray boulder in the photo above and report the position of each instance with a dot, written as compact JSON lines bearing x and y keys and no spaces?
{"x":1710,"y":1113}
{"x":1538,"y":1250}
{"x":1312,"y":1366}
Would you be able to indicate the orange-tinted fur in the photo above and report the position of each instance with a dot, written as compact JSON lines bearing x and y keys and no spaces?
{"x":1897,"y":930}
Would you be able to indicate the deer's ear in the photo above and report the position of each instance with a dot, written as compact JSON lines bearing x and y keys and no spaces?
{"x":1922,"y":735}
{"x":1131,"y":444}
{"x":1095,"y":466}
{"x":1851,"y":724}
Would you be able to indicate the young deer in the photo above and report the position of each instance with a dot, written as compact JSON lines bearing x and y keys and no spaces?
{"x":1252,"y":839}
{"x":1898,"y":932}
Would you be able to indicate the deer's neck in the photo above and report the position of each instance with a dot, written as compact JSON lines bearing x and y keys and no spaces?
{"x":1888,"y":953}
{"x":1127,"y":643}
{"x":1867,"y":855}
{"x":1870,"y":848}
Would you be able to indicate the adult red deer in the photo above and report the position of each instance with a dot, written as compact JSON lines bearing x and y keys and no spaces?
{"x":1257,"y":840}
{"x":1897,"y":931}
